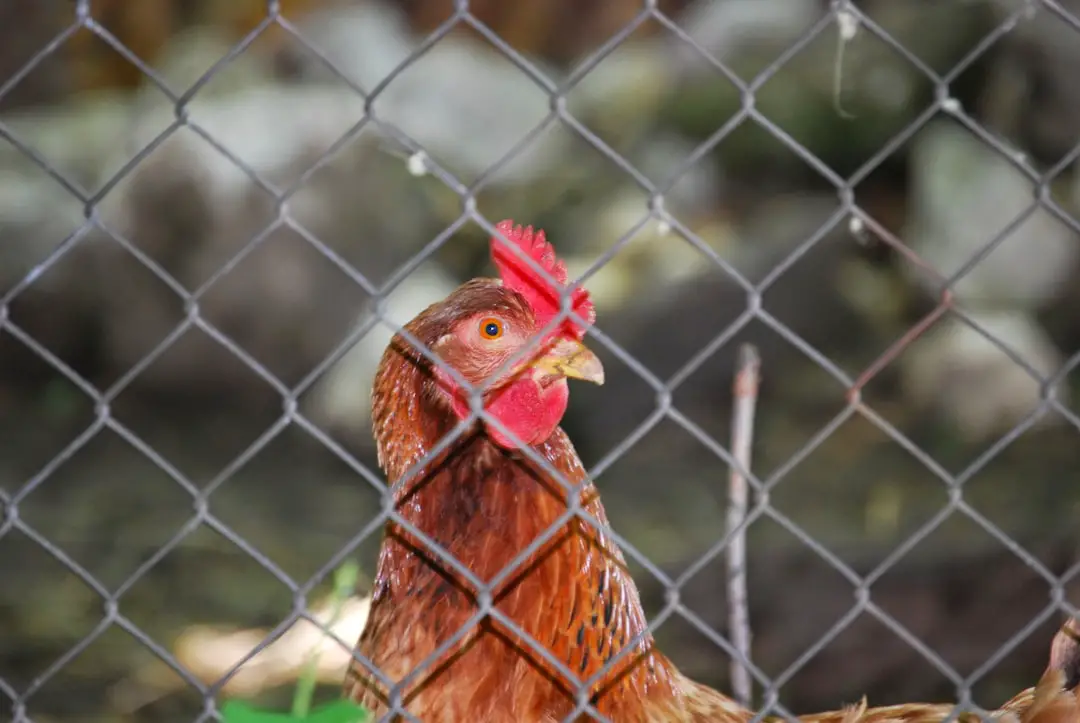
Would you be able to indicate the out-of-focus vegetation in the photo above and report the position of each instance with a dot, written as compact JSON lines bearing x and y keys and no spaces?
{"x":276,"y":109}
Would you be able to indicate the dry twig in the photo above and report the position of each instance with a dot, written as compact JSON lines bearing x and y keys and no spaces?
{"x":747,"y":376}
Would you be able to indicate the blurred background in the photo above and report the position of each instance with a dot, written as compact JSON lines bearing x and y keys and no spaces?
{"x":175,"y":127}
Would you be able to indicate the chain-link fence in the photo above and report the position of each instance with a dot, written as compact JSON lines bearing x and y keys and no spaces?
{"x":879,"y":195}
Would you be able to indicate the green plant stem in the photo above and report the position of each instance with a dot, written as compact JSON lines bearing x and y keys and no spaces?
{"x":345,"y":578}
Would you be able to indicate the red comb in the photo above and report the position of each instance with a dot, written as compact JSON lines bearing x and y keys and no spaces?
{"x":543,"y":297}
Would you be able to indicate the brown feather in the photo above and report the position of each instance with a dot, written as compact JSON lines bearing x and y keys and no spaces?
{"x":573,"y":596}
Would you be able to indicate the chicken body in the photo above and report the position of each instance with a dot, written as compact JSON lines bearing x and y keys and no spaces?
{"x":567,"y":615}
{"x":573,"y":597}
{"x":484,"y":505}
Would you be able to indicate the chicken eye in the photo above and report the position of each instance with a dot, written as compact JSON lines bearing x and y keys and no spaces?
{"x":491,"y":328}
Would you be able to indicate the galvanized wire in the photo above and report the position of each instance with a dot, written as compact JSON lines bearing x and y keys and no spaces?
{"x":655,"y":210}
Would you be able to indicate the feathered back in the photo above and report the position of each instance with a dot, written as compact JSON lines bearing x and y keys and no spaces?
{"x":543,"y":296}
{"x":1056,"y":698}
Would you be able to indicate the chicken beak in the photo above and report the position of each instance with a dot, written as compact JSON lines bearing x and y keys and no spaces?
{"x":571,"y":359}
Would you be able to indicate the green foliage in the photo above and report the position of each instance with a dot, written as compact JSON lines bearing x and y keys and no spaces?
{"x":339,"y":711}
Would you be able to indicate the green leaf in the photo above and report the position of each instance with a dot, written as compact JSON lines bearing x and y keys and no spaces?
{"x":234,"y":711}
{"x":339,"y":711}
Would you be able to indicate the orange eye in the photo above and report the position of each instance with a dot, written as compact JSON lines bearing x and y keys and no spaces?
{"x":491,"y":328}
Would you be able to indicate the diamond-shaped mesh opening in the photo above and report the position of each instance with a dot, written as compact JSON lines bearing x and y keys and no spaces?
{"x":785,"y":626}
{"x":1009,"y":226}
{"x":289,"y":273}
{"x":175,"y":586}
{"x":1042,"y":511}
{"x":572,"y":197}
{"x":61,"y":413}
{"x":1040,"y":26}
{"x":875,"y":82}
{"x":203,"y":210}
{"x":93,"y":62}
{"x":882,"y":494}
{"x":446,"y":110}
{"x":910,"y":31}
{"x":347,"y":201}
{"x":150,"y":508}
{"x":114,"y":658}
{"x":623,"y":84}
{"x":335,"y":394}
{"x":323,"y":487}
{"x":121,"y":334}
{"x":1019,"y":596}
{"x":939,"y":376}
{"x":37,"y":215}
{"x":654,"y":522}
{"x":188,"y":586}
{"x":54,"y":606}
{"x":28,"y":51}
{"x":239,"y":86}
{"x":741,"y":38}
{"x":229,"y":429}
{"x":188,"y":207}
{"x":891,"y":663}
{"x":193,"y":356}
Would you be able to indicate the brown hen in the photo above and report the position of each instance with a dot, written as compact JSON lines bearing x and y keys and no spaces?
{"x":569,"y":615}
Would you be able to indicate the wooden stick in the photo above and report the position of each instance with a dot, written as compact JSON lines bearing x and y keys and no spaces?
{"x":747,"y":377}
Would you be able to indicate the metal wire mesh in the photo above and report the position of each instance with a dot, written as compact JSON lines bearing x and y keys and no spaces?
{"x":842,"y":14}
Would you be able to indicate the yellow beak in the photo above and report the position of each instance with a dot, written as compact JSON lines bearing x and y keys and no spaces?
{"x":571,"y":359}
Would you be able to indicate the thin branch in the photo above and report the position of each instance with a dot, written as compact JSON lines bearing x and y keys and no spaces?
{"x":747,"y":377}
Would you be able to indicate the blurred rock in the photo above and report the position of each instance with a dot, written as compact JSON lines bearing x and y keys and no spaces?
{"x":288,"y":302}
{"x":193,"y":198}
{"x":964,"y":195}
{"x":729,"y":28}
{"x":969,"y":380}
{"x":190,"y":209}
{"x":462,"y":101}
{"x":191,"y":53}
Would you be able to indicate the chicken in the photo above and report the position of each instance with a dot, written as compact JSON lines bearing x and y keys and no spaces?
{"x":569,"y":615}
